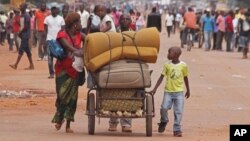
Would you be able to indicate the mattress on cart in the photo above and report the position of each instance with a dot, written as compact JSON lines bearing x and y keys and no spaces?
{"x":100,"y":47}
{"x":124,"y":74}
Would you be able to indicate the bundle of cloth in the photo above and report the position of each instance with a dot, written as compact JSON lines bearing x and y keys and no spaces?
{"x":119,"y":60}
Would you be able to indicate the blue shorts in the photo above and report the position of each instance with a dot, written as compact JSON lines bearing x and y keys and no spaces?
{"x":24,"y":47}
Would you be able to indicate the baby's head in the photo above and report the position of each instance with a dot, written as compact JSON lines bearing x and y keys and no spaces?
{"x":174,"y":53}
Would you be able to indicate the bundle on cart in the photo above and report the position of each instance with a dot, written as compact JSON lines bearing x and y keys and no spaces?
{"x":118,"y":64}
{"x":102,"y":48}
{"x":124,"y":74}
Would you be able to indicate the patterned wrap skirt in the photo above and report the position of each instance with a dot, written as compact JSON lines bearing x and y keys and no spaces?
{"x":67,"y":94}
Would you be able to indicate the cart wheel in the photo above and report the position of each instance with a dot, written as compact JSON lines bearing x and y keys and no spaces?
{"x":149,"y":110}
{"x":91,"y":112}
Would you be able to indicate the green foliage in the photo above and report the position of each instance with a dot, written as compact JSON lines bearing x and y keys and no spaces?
{"x":5,"y":1}
{"x":244,"y":3}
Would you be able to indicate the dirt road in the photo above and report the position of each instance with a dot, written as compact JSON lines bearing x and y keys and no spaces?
{"x":219,"y":81}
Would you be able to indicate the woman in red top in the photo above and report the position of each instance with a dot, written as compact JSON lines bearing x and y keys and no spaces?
{"x":71,"y":40}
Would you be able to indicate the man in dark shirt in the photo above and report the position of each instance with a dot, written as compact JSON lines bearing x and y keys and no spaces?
{"x":244,"y":34}
{"x":154,"y":19}
{"x":24,"y":34}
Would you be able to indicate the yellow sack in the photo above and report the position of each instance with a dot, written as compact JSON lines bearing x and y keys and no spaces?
{"x":101,"y":48}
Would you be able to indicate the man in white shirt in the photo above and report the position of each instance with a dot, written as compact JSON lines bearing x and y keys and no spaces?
{"x":178,"y":20}
{"x":169,"y":22}
{"x":84,"y":18}
{"x":3,"y":19}
{"x":236,"y":36}
{"x":53,"y":24}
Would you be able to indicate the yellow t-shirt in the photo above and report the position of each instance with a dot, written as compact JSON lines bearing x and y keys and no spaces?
{"x":175,"y":74}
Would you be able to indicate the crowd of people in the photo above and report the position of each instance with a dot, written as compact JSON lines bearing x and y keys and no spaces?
{"x":32,"y":28}
{"x":10,"y":26}
{"x":211,"y":25}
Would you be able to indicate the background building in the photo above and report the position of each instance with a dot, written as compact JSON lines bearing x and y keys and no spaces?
{"x":242,"y":3}
{"x":16,"y":3}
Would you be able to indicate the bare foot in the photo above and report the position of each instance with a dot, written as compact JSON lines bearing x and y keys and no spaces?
{"x":13,"y":67}
{"x":244,"y":57}
{"x":30,"y":68}
{"x":59,"y":125}
{"x":68,"y":130}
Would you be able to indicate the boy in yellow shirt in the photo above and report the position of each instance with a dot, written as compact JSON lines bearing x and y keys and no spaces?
{"x":176,"y":73}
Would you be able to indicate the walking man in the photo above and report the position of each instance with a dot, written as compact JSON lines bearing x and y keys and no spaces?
{"x":40,"y":33}
{"x":207,"y":28}
{"x":221,"y":30}
{"x":53,"y":24}
{"x":24,"y":34}
{"x":154,"y":19}
{"x":84,"y":18}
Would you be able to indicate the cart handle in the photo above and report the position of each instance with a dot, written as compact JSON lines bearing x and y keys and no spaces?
{"x":153,"y":101}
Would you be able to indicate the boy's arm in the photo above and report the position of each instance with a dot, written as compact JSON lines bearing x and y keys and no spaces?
{"x":217,"y":21}
{"x":184,"y":19}
{"x":83,"y":39}
{"x":213,"y":21}
{"x":35,"y":26}
{"x":187,"y":87}
{"x":46,"y":29}
{"x":160,"y":22}
{"x":107,"y":27}
{"x":202,"y":25}
{"x":157,"y":84}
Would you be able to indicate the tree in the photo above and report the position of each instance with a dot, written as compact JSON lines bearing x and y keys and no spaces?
{"x":5,"y":1}
{"x":244,"y":3}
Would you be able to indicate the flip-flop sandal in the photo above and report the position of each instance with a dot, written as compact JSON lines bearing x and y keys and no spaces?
{"x":13,"y":67}
{"x":59,"y":125}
